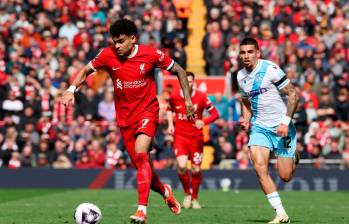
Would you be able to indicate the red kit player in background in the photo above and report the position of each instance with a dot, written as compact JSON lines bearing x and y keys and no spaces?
{"x":131,"y":67}
{"x":188,"y":138}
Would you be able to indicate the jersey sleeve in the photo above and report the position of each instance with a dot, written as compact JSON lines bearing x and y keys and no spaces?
{"x":162,"y":60}
{"x":278,"y":77}
{"x":207,"y":103}
{"x":98,"y":62}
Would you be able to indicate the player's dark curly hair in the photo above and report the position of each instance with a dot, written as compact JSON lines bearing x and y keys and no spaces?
{"x":249,"y":41}
{"x":123,"y":26}
{"x":191,"y":74}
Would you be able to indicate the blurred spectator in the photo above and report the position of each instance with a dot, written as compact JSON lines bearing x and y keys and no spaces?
{"x":96,"y":154}
{"x":15,"y":161}
{"x":27,"y":158}
{"x":84,"y":162}
{"x":106,"y":108}
{"x":113,"y":155}
{"x":222,"y":105}
{"x":226,"y":153}
{"x":214,"y":46}
{"x":178,"y":54}
{"x":62,"y":162}
{"x":12,"y":106}
{"x":183,"y":10}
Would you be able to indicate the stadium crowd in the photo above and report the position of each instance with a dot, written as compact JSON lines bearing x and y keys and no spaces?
{"x":44,"y":43}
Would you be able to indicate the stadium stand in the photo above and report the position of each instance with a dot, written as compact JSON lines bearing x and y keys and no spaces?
{"x":44,"y":43}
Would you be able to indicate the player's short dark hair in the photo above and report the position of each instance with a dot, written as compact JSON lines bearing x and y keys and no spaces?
{"x":191,"y":74}
{"x":123,"y":26}
{"x":249,"y":41}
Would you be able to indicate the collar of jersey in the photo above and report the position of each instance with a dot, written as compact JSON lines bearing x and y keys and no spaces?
{"x":255,"y":69}
{"x":134,"y":51}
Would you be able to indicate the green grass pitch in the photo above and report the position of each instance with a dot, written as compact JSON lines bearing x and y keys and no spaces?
{"x":40,"y":206}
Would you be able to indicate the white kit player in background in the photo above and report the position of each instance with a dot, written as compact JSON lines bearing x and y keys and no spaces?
{"x":267,"y":115}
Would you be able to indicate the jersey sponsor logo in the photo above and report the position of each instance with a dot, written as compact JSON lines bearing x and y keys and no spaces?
{"x":256,"y":92}
{"x":184,"y":117}
{"x":118,"y":84}
{"x":130,"y":84}
{"x":115,"y":69}
{"x":178,"y":107}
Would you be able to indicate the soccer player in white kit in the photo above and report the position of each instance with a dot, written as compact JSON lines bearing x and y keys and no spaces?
{"x":267,"y":114}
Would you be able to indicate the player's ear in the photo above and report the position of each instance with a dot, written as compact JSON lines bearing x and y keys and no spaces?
{"x":258,"y":53}
{"x":133,"y":39}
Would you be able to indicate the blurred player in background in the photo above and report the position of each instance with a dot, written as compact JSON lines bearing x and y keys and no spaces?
{"x":269,"y":117}
{"x":188,"y":138}
{"x":131,"y":68}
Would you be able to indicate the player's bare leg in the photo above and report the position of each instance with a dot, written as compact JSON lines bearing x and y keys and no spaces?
{"x":195,"y":183}
{"x":260,"y":158}
{"x":184,"y":177}
{"x":144,"y":176}
{"x":285,"y":167}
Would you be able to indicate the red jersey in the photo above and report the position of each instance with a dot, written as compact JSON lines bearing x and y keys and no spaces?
{"x":134,"y":81}
{"x":200,"y":103}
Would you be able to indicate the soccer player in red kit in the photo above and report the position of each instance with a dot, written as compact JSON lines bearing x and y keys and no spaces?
{"x":131,"y":67}
{"x":188,"y":138}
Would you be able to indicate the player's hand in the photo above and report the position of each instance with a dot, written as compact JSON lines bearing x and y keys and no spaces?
{"x":170,"y":129}
{"x":190,"y":111}
{"x":245,"y":125}
{"x":199,"y":124}
{"x":282,"y":130}
{"x":68,"y":98}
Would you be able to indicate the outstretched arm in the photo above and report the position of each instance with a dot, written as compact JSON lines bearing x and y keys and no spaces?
{"x":68,"y":96}
{"x":183,"y":80}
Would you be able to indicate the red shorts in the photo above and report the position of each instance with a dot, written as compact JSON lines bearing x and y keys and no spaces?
{"x":145,"y":126}
{"x":191,"y":147}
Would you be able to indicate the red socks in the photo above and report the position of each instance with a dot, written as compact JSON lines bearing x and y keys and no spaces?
{"x":156,"y":184}
{"x":144,"y":177}
{"x":185,"y":179}
{"x":195,"y":184}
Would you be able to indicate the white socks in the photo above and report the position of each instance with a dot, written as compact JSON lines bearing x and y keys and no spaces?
{"x":275,"y":202}
{"x":142,"y":208}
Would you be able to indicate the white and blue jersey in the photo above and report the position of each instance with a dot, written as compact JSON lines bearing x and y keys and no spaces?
{"x":261,"y":87}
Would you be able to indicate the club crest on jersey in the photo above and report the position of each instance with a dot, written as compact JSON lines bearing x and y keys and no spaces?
{"x":141,"y":68}
{"x":259,"y":77}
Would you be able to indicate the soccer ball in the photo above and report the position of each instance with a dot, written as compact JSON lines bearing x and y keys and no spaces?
{"x":87,"y":213}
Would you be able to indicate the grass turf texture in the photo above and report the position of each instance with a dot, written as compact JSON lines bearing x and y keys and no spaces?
{"x":40,"y":206}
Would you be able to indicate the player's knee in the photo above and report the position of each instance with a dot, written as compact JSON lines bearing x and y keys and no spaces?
{"x":182,"y":169}
{"x":285,"y":177}
{"x":196,"y":170}
{"x":260,"y":167}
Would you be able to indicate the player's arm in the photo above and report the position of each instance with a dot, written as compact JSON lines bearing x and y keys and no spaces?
{"x":183,"y":80}
{"x":169,"y":114}
{"x":170,"y":127}
{"x":246,"y":113}
{"x":293,"y":98}
{"x":68,"y":96}
{"x":213,"y":115}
